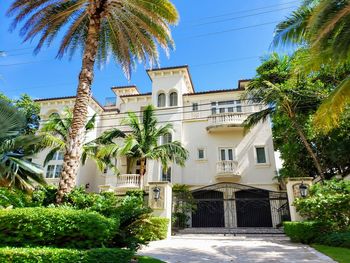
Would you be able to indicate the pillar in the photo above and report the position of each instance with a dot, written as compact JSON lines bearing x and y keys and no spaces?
{"x":293,"y":192}
{"x":162,"y":207}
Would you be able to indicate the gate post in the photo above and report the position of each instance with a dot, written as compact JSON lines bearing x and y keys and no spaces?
{"x":293,"y":192}
{"x":161,"y":204}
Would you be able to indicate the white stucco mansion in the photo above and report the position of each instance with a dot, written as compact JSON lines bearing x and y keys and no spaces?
{"x":207,"y":123}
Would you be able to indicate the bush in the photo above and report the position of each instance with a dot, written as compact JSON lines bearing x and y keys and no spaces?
{"x":154,"y":228}
{"x":329,"y":203}
{"x":58,"y":255}
{"x":14,"y":198}
{"x":184,"y":205}
{"x":59,"y":227}
{"x":305,"y":232}
{"x":335,"y":239}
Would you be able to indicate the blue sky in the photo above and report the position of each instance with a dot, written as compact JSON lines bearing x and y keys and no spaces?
{"x":220,"y":40}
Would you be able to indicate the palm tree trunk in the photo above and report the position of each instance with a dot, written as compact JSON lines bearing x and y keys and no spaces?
{"x":142,"y":171}
{"x":308,"y":148}
{"x":76,"y":131}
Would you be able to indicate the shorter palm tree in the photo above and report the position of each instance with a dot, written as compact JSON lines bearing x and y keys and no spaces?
{"x":57,"y":129}
{"x":142,"y":143}
{"x":16,"y":150}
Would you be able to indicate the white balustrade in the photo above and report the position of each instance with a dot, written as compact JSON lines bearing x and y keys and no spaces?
{"x":236,"y":118}
{"x":226,"y":167}
{"x":128,"y":181}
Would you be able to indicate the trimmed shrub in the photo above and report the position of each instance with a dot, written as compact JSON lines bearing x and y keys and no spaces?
{"x":59,"y":255}
{"x":334,"y":239}
{"x":329,"y":203}
{"x":154,"y":228}
{"x":60,"y":227}
{"x":305,"y":232}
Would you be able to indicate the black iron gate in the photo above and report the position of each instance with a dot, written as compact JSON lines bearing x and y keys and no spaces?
{"x":235,"y":205}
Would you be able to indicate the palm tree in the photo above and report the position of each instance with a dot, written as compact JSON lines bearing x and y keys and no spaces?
{"x":16,"y":150}
{"x":129,"y":30}
{"x":57,"y":129}
{"x":323,"y":25}
{"x":142,"y":142}
{"x":274,"y":88}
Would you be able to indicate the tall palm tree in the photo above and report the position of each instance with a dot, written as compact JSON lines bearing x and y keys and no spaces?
{"x":17,"y":149}
{"x":143,"y":142}
{"x":274,"y":88}
{"x":324,"y":26}
{"x":57,"y":129}
{"x":129,"y":30}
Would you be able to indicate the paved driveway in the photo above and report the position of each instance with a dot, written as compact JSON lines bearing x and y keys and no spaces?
{"x":218,"y":248}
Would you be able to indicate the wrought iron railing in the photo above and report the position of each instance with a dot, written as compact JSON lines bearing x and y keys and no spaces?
{"x":128,"y":181}
{"x":226,"y":167}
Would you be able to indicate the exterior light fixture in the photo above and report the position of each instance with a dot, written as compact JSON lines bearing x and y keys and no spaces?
{"x":304,"y":189}
{"x":156,"y":192}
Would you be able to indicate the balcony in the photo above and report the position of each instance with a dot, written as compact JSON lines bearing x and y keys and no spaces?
{"x":227,"y":171}
{"x":130,"y":181}
{"x":228,"y":120}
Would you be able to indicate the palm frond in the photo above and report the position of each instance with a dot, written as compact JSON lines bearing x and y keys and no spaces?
{"x":260,"y":116}
{"x":329,"y":113}
{"x":12,"y":121}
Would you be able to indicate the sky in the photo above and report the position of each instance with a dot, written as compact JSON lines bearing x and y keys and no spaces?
{"x":221,"y":41}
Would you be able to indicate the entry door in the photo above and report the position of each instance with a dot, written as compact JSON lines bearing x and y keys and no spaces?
{"x":253,"y":208}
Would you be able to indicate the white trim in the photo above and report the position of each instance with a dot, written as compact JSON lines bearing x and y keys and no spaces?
{"x":204,"y":154}
{"x":267,"y":158}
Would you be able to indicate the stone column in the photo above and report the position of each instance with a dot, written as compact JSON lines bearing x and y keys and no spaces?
{"x":293,"y":193}
{"x":163,"y":206}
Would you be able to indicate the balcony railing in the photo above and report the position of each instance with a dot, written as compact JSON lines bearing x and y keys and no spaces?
{"x":228,"y":118}
{"x":128,"y":181}
{"x":227,"y":167}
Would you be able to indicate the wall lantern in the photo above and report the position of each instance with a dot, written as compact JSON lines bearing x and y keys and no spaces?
{"x":304,"y":189}
{"x":156,"y":192}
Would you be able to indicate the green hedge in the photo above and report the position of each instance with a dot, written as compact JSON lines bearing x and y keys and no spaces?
{"x":59,"y":255}
{"x":334,"y":239}
{"x":59,"y":227}
{"x":305,"y":232}
{"x":153,"y":228}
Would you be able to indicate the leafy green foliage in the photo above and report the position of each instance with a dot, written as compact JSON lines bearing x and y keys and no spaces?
{"x":152,"y":228}
{"x":14,"y":198}
{"x":184,"y":205}
{"x":327,"y":203}
{"x":305,"y":232}
{"x":59,"y":255}
{"x":59,"y":227}
{"x":335,"y":239}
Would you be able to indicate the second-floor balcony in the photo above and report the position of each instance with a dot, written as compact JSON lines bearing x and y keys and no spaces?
{"x":128,"y":181}
{"x":227,"y":171}
{"x":227,"y":120}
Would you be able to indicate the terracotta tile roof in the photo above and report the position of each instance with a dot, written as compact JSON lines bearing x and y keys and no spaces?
{"x":124,"y":87}
{"x":136,"y":95}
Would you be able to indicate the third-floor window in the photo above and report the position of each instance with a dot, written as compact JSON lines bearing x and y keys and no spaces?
{"x":218,"y":107}
{"x":173,"y":99}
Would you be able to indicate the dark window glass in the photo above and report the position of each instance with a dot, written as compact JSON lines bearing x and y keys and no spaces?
{"x":260,"y":155}
{"x":161,"y":100}
{"x":173,"y":99}
{"x":194,"y":106}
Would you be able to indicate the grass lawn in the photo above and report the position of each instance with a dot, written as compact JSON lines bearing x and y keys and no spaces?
{"x":340,"y":254}
{"x":145,"y":259}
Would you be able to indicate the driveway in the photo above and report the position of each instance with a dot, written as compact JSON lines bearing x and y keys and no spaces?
{"x":219,"y":248}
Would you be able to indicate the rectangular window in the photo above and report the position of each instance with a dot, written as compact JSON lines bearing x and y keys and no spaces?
{"x":230,"y":109}
{"x":227,"y":154}
{"x":50,"y":171}
{"x":194,"y":106}
{"x":58,"y":170}
{"x":260,"y":155}
{"x":201,"y":154}
{"x":58,"y":156}
{"x":166,"y":175}
{"x":239,"y":108}
{"x":213,"y":111}
{"x":222,"y":110}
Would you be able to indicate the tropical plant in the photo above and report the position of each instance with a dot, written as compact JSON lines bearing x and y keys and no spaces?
{"x":142,"y":143}
{"x":283,"y":95}
{"x":16,"y":150}
{"x":129,"y":30}
{"x":57,"y":128}
{"x":323,"y":25}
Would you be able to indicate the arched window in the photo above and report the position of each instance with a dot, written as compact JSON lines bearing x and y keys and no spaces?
{"x":161,"y":100}
{"x":173,"y":99}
